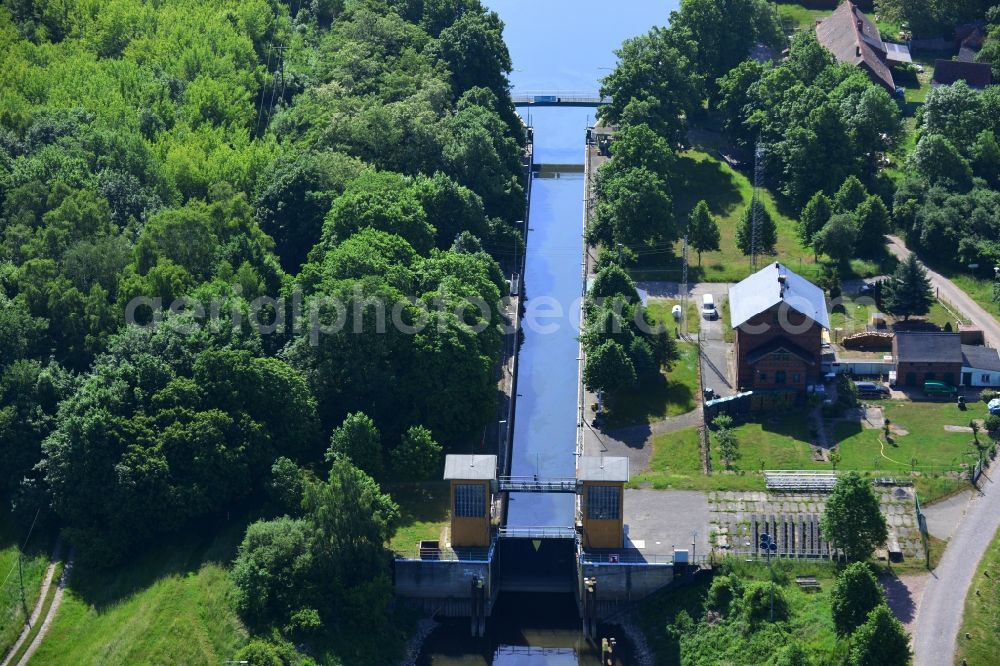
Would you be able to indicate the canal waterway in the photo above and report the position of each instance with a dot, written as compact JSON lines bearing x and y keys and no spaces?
{"x":556,"y":46}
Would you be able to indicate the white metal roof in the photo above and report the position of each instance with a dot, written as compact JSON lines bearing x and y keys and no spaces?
{"x":762,"y":291}
{"x":470,"y":467}
{"x":603,"y":468}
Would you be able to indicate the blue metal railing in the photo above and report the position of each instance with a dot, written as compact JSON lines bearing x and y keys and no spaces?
{"x":534,"y":484}
{"x":559,"y":98}
{"x":547,"y":532}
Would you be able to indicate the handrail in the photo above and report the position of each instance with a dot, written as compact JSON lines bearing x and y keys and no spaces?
{"x":531,"y":484}
{"x":546,"y":532}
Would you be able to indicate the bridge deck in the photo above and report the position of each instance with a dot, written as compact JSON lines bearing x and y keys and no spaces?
{"x":560,"y":99}
{"x":534,"y":484}
{"x":546,"y":532}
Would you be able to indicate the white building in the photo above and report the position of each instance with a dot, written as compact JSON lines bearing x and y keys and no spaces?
{"x":980,"y":366}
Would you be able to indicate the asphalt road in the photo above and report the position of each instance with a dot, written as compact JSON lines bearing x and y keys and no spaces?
{"x":956,"y":297}
{"x":940,"y":614}
{"x":942,"y":605}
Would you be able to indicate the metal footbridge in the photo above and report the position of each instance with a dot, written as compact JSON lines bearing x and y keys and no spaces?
{"x":535,"y":484}
{"x":559,"y":98}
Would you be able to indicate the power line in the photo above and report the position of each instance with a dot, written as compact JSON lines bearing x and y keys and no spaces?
{"x":263,"y":92}
{"x":756,"y":206}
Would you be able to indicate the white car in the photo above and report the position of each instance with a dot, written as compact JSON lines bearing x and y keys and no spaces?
{"x":993,"y":406}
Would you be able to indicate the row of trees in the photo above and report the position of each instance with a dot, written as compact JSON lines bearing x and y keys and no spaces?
{"x":624,"y":347}
{"x":851,"y":223}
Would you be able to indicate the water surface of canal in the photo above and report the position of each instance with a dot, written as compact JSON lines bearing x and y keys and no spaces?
{"x":556,"y":46}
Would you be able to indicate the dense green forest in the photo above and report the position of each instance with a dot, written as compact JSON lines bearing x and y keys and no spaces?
{"x":824,"y":130}
{"x":201,"y":206}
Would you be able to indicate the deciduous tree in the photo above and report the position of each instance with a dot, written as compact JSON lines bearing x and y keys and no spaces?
{"x":703,"y":231}
{"x":837,"y":238}
{"x":609,"y":369}
{"x":852,"y":519}
{"x":880,"y":641}
{"x":855,"y":594}
{"x":814,"y":217}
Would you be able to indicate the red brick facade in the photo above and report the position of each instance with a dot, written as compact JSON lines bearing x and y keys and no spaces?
{"x":915,"y":374}
{"x":779,"y":369}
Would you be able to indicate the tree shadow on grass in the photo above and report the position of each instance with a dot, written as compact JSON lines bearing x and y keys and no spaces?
{"x":181,"y":553}
{"x":708,"y":180}
{"x":648,"y":403}
{"x":420,"y":502}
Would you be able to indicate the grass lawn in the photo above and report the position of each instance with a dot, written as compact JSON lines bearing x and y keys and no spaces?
{"x":982,"y":612}
{"x":675,"y":393}
{"x":795,"y":17}
{"x":728,"y":334}
{"x":701,"y":175}
{"x":676,"y":463}
{"x":170,"y":605}
{"x":856,"y":310}
{"x":809,"y":624}
{"x":12,"y":614}
{"x":978,"y":289}
{"x":779,"y":442}
{"x":928,"y":447}
{"x":659,"y":309}
{"x":423,"y":513}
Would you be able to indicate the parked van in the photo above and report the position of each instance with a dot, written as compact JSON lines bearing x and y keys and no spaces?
{"x":708,"y":310}
{"x":939,"y":389}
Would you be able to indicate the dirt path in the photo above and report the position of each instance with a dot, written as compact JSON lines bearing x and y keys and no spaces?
{"x":33,"y":618}
{"x":950,"y":292}
{"x":49,"y":616}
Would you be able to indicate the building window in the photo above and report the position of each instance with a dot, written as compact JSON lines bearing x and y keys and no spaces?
{"x":796,"y":378}
{"x":779,"y":376}
{"x":470,"y":500}
{"x":985,"y":379}
{"x":763,"y":376}
{"x":602,"y":503}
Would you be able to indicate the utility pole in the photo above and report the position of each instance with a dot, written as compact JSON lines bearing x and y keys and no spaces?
{"x":684,"y":288}
{"x":768,"y":545}
{"x":281,"y":48}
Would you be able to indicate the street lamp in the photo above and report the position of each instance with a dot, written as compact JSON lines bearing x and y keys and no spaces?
{"x":769,"y":546}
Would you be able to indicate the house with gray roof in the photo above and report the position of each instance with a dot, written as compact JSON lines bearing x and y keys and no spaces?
{"x":980,"y":366}
{"x":852,"y":38}
{"x":779,"y":318}
{"x":927,"y":357}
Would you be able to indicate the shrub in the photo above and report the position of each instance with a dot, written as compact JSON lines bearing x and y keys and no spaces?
{"x":756,"y":603}
{"x":988,"y":394}
{"x":722,"y":593}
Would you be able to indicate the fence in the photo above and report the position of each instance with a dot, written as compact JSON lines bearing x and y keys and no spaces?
{"x":800,"y":482}
{"x":796,"y":536}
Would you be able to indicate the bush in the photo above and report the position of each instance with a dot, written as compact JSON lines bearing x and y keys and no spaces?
{"x":847,"y":392}
{"x":722,"y":593}
{"x":756,"y":603}
{"x":988,"y":394}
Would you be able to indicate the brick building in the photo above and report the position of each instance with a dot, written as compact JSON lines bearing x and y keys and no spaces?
{"x":779,"y":318}
{"x":927,"y":357}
